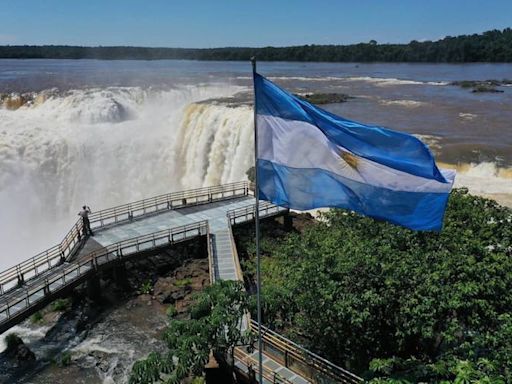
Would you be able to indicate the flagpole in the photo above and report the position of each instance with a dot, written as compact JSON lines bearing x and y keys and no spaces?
{"x":257,"y":222}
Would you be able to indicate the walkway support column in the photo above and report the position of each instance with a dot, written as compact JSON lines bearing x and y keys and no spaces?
{"x":120,"y":275}
{"x":94,"y":288}
{"x":288,"y":222}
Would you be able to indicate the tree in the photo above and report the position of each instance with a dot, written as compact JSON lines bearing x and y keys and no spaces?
{"x":491,"y":46}
{"x":214,"y":326}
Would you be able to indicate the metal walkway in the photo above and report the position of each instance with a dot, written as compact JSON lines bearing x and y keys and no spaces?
{"x":144,"y":227}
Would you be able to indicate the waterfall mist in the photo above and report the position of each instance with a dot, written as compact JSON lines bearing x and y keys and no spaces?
{"x":104,"y":147}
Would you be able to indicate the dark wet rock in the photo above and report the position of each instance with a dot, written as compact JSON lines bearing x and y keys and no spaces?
{"x":23,"y":353}
{"x":191,"y":276}
{"x":479,"y":86}
{"x":325,"y":98}
{"x":482,"y":88}
{"x":16,"y":349}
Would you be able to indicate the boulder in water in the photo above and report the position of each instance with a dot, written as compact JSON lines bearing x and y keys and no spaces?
{"x":16,"y":349}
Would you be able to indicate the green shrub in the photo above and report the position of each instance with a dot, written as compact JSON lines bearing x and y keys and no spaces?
{"x":36,"y":317}
{"x":189,"y":342}
{"x":198,"y":380}
{"x":171,"y":311}
{"x":183,"y":282}
{"x":146,"y":288}
{"x":60,"y":305}
{"x":65,"y":359}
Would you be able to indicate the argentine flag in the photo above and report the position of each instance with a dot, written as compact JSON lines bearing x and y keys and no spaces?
{"x":309,"y":158}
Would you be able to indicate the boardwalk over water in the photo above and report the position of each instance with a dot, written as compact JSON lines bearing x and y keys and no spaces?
{"x":141,"y":228}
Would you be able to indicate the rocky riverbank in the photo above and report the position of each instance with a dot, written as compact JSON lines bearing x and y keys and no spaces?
{"x":97,"y":341}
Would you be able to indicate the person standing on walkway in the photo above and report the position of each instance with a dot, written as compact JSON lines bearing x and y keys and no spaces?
{"x":84,"y":213}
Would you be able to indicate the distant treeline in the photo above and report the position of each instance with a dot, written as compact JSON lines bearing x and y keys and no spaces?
{"x":490,"y":46}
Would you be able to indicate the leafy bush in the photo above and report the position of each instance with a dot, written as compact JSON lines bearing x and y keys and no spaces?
{"x":146,"y":288}
{"x":183,"y":282}
{"x":60,"y":305}
{"x":36,"y":317}
{"x":171,"y":311}
{"x":198,"y":380}
{"x":219,"y":309}
{"x":65,"y":359}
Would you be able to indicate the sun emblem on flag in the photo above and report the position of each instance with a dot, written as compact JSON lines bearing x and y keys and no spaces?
{"x":350,"y":159}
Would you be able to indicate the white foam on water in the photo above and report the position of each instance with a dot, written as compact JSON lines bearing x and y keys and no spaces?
{"x":387,"y":81}
{"x":432,"y":141}
{"x":379,"y":81}
{"x":97,"y":343}
{"x":403,"y":103}
{"x":467,"y":116}
{"x":297,"y":78}
{"x":27,"y":334}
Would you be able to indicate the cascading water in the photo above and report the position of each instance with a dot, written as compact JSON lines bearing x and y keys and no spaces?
{"x":215,"y":145}
{"x":109,"y":146}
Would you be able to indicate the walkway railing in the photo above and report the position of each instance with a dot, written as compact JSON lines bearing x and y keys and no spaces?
{"x":35,"y":266}
{"x":241,"y":215}
{"x":55,"y":256}
{"x":251,"y":364}
{"x":300,"y":360}
{"x":167,"y":202}
{"x":16,"y":304}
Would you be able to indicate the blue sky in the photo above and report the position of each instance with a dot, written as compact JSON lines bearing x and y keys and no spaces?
{"x":216,"y":23}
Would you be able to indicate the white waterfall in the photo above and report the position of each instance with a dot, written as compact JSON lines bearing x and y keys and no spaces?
{"x":105,"y":147}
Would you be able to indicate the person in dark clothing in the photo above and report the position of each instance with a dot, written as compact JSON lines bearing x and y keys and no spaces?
{"x":84,"y":213}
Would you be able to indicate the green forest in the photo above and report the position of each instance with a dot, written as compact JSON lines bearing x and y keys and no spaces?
{"x":490,"y":46}
{"x":390,"y":304}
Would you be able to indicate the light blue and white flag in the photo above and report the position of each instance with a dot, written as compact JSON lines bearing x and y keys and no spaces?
{"x":310,"y":158}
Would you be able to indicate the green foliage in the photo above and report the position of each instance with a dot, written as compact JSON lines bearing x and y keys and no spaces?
{"x":60,"y":305}
{"x":146,"y":288}
{"x":214,"y":326}
{"x":395,"y":304}
{"x":490,"y":46}
{"x":251,"y":174}
{"x":65,"y":359}
{"x":36,"y":318}
{"x":12,"y":340}
{"x":171,"y":311}
{"x":183,"y":282}
{"x":198,"y":380}
{"x":325,"y":98}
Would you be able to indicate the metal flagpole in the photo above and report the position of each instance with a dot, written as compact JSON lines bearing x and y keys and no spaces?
{"x":257,"y":221}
